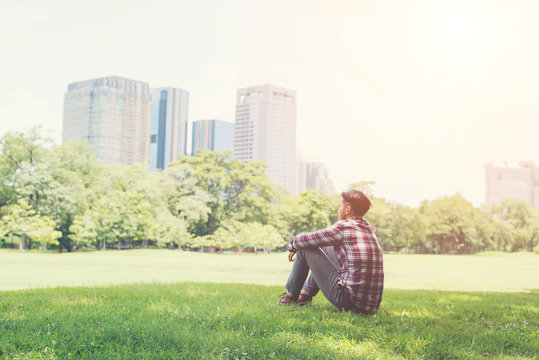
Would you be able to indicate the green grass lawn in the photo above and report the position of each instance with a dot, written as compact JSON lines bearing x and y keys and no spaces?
{"x":196,"y":306}
{"x":483,"y":272}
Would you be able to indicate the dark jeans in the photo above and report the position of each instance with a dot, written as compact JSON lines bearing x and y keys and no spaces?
{"x":324,"y":276}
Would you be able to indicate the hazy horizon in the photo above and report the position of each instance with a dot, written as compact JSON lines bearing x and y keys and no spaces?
{"x":416,"y":97}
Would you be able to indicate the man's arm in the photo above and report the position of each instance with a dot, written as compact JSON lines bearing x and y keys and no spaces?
{"x":332,"y":235}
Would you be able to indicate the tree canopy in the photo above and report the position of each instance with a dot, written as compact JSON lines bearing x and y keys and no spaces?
{"x":60,"y":197}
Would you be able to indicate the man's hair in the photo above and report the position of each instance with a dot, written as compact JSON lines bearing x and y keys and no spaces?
{"x":358,"y":201}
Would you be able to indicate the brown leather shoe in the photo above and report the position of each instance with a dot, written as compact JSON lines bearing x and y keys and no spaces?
{"x":286,"y":299}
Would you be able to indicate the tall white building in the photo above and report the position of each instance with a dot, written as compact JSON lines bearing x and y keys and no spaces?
{"x":301,"y":174}
{"x":265,"y":130}
{"x":512,"y":182}
{"x":112,"y":114}
{"x":169,"y":126}
{"x":317,"y":177}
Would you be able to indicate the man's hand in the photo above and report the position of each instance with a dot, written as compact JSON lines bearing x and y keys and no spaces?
{"x":291,"y":256}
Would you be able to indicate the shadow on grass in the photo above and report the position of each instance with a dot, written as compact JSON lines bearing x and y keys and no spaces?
{"x":231,"y":321}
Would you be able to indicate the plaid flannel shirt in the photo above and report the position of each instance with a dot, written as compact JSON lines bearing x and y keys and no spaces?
{"x":359,"y":255}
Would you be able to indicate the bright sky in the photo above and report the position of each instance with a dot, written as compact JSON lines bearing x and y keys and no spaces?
{"x":414,"y":95}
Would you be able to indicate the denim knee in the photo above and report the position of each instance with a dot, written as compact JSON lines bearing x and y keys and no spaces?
{"x":300,"y":253}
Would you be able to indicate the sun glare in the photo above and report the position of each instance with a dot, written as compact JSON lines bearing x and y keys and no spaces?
{"x":460,"y":32}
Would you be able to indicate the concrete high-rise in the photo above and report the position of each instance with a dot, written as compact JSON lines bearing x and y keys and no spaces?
{"x":169,"y":126}
{"x":317,"y":177}
{"x":301,"y":174}
{"x":112,"y":114}
{"x":509,"y":182}
{"x":214,"y":135}
{"x":265,"y":130}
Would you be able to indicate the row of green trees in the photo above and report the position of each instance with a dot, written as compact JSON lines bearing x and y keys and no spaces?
{"x":60,"y":197}
{"x":452,"y":225}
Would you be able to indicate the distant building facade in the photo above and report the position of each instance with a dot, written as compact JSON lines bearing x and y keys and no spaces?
{"x":301,"y":174}
{"x":518,"y":183}
{"x":214,"y":135}
{"x":317,"y":177}
{"x":265,"y":130}
{"x":169,"y":126}
{"x":112,"y":114}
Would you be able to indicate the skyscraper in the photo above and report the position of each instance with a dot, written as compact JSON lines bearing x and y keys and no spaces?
{"x":112,"y":114}
{"x":511,"y":182}
{"x":214,"y":135}
{"x":265,"y":130}
{"x":317,"y":177}
{"x":301,"y":173}
{"x":169,"y":126}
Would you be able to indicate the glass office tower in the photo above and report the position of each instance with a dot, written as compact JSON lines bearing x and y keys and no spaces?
{"x":214,"y":135}
{"x":112,"y":114}
{"x":169,"y":126}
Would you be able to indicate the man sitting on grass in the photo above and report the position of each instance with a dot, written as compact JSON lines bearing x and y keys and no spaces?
{"x":345,"y":260}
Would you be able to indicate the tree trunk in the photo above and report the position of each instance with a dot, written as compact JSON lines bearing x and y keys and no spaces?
{"x":23,"y":240}
{"x":119,"y":245}
{"x":44,"y":246}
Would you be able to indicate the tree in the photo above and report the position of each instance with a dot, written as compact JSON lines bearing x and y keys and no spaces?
{"x":306,"y":212}
{"x":100,"y":224}
{"x":237,"y":190}
{"x":522,"y":220}
{"x":170,"y":231}
{"x":119,"y":216}
{"x":264,"y":237}
{"x":75,"y":171}
{"x":176,"y":202}
{"x":20,"y":219}
{"x":60,"y":185}
{"x":379,"y":218}
{"x":453,"y":229}
{"x":20,"y":152}
{"x":42,"y":230}
{"x":186,"y":200}
{"x":366,"y":187}
{"x":85,"y":230}
{"x":235,"y":234}
{"x":409,"y":229}
{"x":53,"y":180}
{"x":132,"y":205}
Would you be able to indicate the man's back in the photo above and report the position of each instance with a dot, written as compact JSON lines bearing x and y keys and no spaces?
{"x":361,"y":259}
